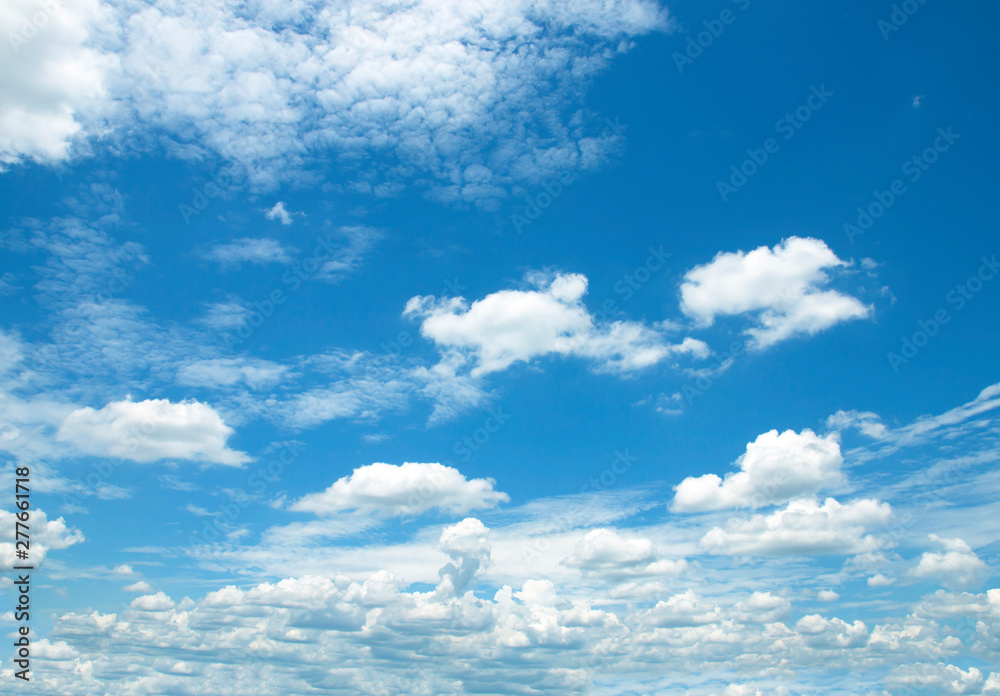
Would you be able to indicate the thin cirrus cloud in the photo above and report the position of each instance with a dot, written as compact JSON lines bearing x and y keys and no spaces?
{"x":549,"y":318}
{"x":468,"y":92}
{"x":783,"y":287}
{"x":147,"y":431}
{"x":411,"y":488}
{"x":259,"y":251}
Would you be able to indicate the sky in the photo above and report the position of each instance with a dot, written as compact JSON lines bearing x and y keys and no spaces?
{"x":436,"y":347}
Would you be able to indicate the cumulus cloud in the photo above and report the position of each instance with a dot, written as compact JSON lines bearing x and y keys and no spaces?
{"x":45,"y":535}
{"x":467,"y":546}
{"x":604,"y":552}
{"x":782,"y":287}
{"x":957,"y":568}
{"x":48,"y":72}
{"x":519,"y":325}
{"x":145,"y":431}
{"x":803,"y":527}
{"x":408,"y":489}
{"x":256,"y":250}
{"x":774,"y":469}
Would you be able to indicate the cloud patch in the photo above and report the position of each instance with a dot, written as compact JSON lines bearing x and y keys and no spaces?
{"x":782,"y":287}
{"x":146,"y":431}
{"x":407,"y":489}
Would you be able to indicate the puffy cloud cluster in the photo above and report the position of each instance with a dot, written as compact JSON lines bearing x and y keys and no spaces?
{"x":145,"y":431}
{"x":407,"y":489}
{"x":783,"y":287}
{"x":774,"y":469}
{"x":512,"y":326}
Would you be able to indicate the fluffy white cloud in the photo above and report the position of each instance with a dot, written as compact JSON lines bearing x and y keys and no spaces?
{"x":605,"y":552}
{"x":958,"y":567}
{"x":44,"y":535}
{"x":467,"y":546}
{"x":519,"y":325}
{"x":944,"y":678}
{"x":774,"y":469}
{"x":47,"y":74}
{"x":803,"y":527}
{"x":783,"y":286}
{"x":257,"y":250}
{"x":408,"y":489}
{"x":145,"y":431}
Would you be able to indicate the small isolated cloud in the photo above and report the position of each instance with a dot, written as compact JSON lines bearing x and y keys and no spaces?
{"x":145,"y":431}
{"x":880,"y":580}
{"x":804,"y":527}
{"x":141,"y":586}
{"x":916,"y":101}
{"x":866,"y":422}
{"x":519,"y":325}
{"x":774,"y":469}
{"x":827,"y":596}
{"x":958,"y":568}
{"x":123,"y":569}
{"x":224,"y":316}
{"x":604,"y":552}
{"x":408,"y":489}
{"x":256,"y":250}
{"x":280,"y":213}
{"x":782,"y":287}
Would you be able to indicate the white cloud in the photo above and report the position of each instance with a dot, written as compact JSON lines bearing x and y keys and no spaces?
{"x":827,"y":596}
{"x":880,"y":580}
{"x":685,"y":609}
{"x":44,"y":535}
{"x":942,"y":677}
{"x":144,"y":431}
{"x":140,"y":586}
{"x":467,"y":546}
{"x":782,"y":286}
{"x":774,"y":469}
{"x":957,"y":568}
{"x":257,"y":250}
{"x":519,"y":325}
{"x":280,"y":213}
{"x":408,"y":489}
{"x":605,"y":552}
{"x":803,"y":527}
{"x":229,"y":372}
{"x":474,"y":95}
{"x":48,"y":73}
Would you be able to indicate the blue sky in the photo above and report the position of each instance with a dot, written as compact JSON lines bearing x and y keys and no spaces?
{"x":482,"y":348}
